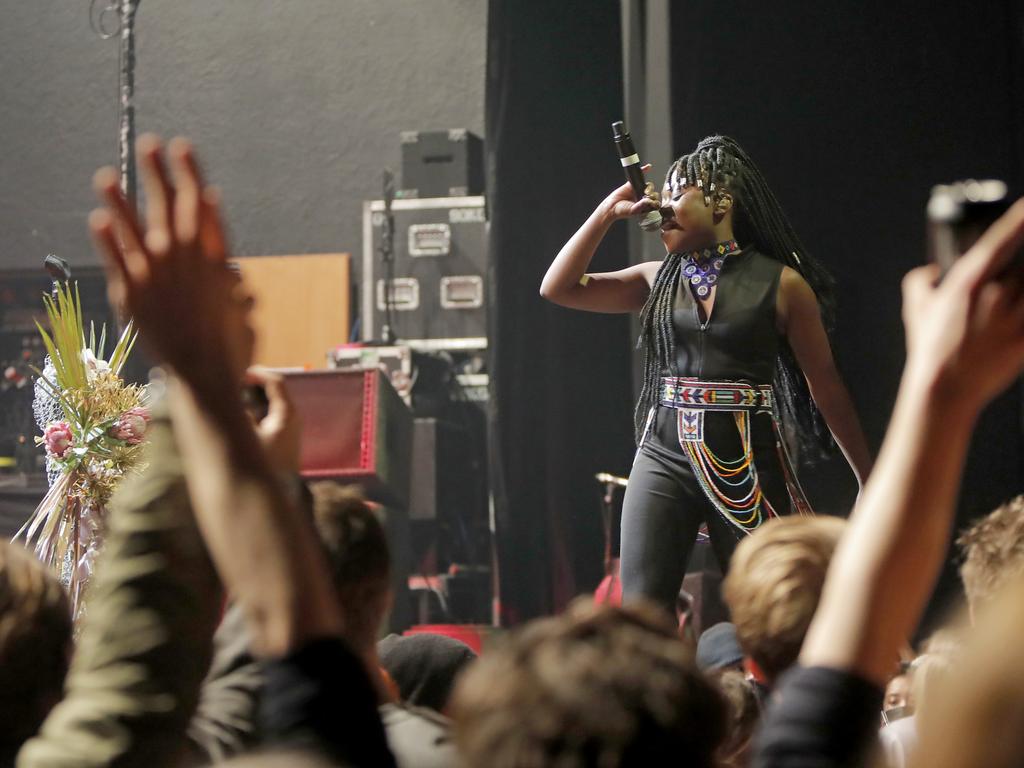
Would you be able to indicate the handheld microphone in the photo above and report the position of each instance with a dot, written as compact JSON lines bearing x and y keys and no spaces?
{"x":58,"y":270}
{"x":631,"y":164}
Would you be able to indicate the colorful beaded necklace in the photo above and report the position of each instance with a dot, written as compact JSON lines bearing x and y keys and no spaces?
{"x":701,"y":268}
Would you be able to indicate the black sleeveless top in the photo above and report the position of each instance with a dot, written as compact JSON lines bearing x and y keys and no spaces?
{"x":739,"y":340}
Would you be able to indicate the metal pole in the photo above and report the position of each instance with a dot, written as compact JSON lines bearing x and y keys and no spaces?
{"x":126,"y":79}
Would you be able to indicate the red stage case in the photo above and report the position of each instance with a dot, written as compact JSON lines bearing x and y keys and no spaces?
{"x":355,"y":429}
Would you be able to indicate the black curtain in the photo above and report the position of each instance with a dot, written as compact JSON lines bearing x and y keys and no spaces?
{"x":853,"y":112}
{"x":561,"y":382}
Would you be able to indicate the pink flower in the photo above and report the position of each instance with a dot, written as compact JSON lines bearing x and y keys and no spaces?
{"x":131,"y":427}
{"x":58,"y":438}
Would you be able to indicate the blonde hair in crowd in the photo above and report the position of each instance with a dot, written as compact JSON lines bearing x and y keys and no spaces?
{"x":774,"y":584}
{"x":993,"y":549}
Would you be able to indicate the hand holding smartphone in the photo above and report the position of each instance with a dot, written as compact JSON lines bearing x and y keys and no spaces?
{"x":959,"y":213}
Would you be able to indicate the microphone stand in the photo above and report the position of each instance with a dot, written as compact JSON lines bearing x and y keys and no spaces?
{"x":387,"y":258}
{"x":611,"y":483}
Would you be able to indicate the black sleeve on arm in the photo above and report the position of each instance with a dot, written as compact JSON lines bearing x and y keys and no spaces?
{"x":822,"y":718}
{"x":320,"y":699}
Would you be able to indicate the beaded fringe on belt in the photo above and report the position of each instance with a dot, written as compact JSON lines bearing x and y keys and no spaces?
{"x":731,"y":485}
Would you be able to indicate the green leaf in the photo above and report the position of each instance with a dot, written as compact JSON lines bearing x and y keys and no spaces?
{"x":67,"y":334}
{"x":123,"y":348}
{"x":103,"y":340}
{"x":51,"y":350}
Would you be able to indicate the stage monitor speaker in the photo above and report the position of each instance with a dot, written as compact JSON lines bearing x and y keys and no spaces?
{"x":424,"y":473}
{"x":355,"y":429}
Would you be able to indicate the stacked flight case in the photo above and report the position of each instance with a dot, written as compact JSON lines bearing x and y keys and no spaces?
{"x":438,"y":284}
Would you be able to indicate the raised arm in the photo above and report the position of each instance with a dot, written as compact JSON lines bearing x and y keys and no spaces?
{"x":172,"y":276}
{"x":173,"y":279}
{"x":800,"y":318}
{"x":965,"y":344}
{"x":143,"y":652}
{"x":567,"y":282}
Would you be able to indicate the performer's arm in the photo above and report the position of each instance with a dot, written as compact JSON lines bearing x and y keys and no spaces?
{"x":625,"y":290}
{"x":801,"y":323}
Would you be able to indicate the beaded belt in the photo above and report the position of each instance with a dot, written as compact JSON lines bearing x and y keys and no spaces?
{"x":691,"y":393}
{"x":730,"y":483}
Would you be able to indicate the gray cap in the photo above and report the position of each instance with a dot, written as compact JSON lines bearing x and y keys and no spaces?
{"x":719,"y":648}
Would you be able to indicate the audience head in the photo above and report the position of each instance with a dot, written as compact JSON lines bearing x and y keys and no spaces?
{"x":971,"y":712}
{"x":744,"y":713}
{"x":898,"y":697}
{"x":993,"y":551}
{"x":596,"y":686}
{"x":35,"y":645}
{"x":360,"y":564}
{"x":424,"y":667}
{"x":774,"y":584}
{"x":719,"y":649}
{"x":931,"y":671}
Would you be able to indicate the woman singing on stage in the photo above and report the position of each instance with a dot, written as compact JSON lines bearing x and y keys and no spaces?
{"x":737,"y":362}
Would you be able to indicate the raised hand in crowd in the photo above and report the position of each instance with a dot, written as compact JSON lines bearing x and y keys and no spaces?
{"x":171,"y":275}
{"x":280,"y":428}
{"x":965,"y":344}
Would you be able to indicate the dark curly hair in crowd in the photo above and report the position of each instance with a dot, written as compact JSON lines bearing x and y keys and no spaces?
{"x":719,"y":165}
{"x":597,"y":686}
{"x":35,"y":646}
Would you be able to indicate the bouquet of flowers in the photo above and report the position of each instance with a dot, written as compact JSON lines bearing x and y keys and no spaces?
{"x":93,"y":435}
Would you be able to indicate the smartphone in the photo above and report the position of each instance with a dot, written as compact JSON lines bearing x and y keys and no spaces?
{"x":255,"y":402}
{"x":959,"y":213}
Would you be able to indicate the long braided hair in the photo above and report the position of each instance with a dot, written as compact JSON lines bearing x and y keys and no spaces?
{"x":718,"y":165}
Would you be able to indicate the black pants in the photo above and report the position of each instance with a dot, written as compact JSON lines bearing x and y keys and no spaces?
{"x":664,"y":505}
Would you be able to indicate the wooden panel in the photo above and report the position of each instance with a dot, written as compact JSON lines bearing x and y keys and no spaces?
{"x":302,"y":307}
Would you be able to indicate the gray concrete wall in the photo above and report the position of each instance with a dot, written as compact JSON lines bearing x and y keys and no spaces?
{"x":295,"y":105}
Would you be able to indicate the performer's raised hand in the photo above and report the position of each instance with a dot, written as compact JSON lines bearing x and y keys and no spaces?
{"x":171,"y":274}
{"x":626,"y":290}
{"x":622,"y":202}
